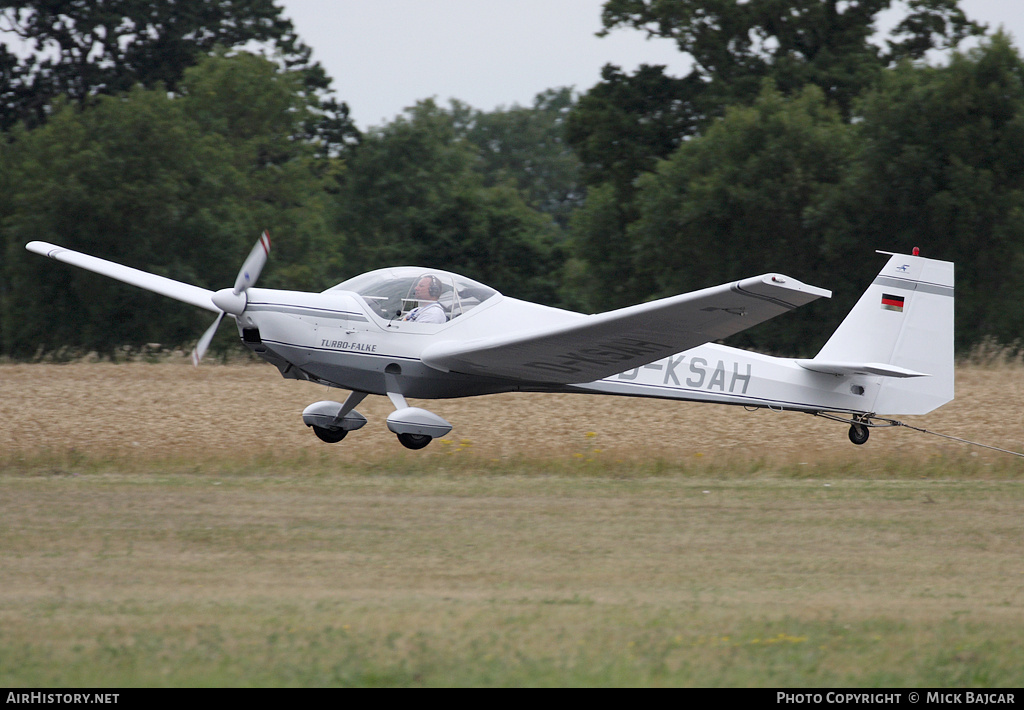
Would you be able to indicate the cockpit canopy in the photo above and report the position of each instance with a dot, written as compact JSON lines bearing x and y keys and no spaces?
{"x":389,"y":292}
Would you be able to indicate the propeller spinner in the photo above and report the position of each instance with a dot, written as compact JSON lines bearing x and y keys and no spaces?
{"x":233,"y":300}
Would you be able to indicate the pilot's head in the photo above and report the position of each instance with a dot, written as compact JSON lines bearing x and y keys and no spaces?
{"x":428,"y":288}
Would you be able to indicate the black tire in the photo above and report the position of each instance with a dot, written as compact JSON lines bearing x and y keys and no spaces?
{"x":859,"y":434}
{"x":414,"y":441}
{"x":331,"y":436}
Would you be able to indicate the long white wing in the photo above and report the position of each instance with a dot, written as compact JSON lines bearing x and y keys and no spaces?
{"x":151,"y":282}
{"x":597,"y":346}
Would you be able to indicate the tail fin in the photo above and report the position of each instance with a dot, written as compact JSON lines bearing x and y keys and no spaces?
{"x":901,"y":330}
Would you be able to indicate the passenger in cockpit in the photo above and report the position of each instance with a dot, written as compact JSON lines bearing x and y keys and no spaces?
{"x":427,"y":291}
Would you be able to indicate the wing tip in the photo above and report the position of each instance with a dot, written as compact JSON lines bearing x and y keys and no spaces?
{"x":44,"y":248}
{"x":791,"y":284}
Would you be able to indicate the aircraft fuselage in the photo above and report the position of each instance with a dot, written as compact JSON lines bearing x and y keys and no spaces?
{"x":334,"y":339}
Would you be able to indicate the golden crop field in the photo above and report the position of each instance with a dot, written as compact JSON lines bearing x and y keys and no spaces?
{"x":169,"y":410}
{"x":168,"y":526}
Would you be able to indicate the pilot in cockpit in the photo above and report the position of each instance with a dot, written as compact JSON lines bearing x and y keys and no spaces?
{"x":426,"y":291}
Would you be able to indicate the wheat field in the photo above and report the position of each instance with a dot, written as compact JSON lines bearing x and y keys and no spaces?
{"x":168,"y":410}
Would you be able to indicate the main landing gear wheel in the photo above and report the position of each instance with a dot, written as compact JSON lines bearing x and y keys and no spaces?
{"x":331,"y":436}
{"x":414,"y":441}
{"x":859,"y":433}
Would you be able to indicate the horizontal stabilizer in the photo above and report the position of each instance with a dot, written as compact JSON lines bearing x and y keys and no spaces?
{"x":858,"y":368}
{"x":151,"y":282}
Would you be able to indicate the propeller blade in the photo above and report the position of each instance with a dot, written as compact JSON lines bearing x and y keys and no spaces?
{"x":253,"y":264}
{"x":204,"y":342}
{"x":233,"y":302}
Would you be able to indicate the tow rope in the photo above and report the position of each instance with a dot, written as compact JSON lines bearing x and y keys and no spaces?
{"x":957,"y":438}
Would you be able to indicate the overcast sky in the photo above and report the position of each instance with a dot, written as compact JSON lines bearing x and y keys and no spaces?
{"x":384,"y":55}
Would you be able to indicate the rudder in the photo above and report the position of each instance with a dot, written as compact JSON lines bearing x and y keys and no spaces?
{"x":903,"y":320}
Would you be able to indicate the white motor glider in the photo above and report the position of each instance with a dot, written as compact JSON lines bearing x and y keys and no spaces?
{"x":429,"y":334}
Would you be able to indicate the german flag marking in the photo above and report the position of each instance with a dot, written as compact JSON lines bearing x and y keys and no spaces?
{"x":892,"y":303}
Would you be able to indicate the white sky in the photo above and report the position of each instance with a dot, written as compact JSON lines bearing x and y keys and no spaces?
{"x":384,"y":55}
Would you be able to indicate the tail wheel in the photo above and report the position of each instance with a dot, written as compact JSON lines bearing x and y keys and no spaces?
{"x":331,"y":436}
{"x":859,"y":434}
{"x":414,"y":441}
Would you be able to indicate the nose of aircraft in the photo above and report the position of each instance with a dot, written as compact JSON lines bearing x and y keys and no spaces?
{"x":229,"y":301}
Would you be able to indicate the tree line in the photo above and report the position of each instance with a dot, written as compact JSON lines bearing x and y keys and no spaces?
{"x":798,"y":143}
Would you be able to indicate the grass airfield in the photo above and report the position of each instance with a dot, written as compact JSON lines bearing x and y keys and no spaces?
{"x":165,"y":526}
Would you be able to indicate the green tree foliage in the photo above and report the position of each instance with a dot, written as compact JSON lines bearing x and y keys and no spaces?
{"x":600,"y":272}
{"x":625,"y":124}
{"x":527,"y":147}
{"x":261,"y":113}
{"x":413,"y":194}
{"x":743,"y":199}
{"x":828,"y":43}
{"x":787,"y":185}
{"x":181,"y":186}
{"x":81,"y":49}
{"x":620,"y":129}
{"x":938,"y":166}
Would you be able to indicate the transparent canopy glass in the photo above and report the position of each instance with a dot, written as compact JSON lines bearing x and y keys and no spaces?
{"x":389,"y":292}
